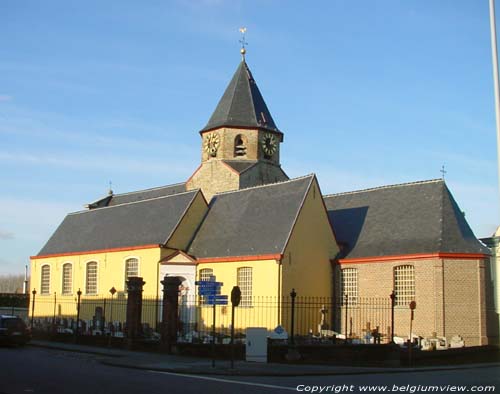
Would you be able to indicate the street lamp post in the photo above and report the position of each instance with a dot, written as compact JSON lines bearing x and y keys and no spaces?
{"x":79,"y":294}
{"x":112,"y":329}
{"x":33,"y":308}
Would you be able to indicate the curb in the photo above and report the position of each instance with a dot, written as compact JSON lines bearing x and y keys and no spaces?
{"x":235,"y":372}
{"x":74,"y":350}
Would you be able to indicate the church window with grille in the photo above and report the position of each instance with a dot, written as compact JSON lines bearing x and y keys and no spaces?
{"x":131,"y":270}
{"x":244,"y":279}
{"x":404,"y":284}
{"x":91,"y":278}
{"x":67,"y":279}
{"x":206,"y":273}
{"x":349,"y":285}
{"x":45,"y":280}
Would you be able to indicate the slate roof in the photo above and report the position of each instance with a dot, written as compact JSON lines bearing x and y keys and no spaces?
{"x":145,"y":222}
{"x":146,"y":194}
{"x":242,"y":105}
{"x":249,"y":222}
{"x":240,"y":165}
{"x":420,"y":217}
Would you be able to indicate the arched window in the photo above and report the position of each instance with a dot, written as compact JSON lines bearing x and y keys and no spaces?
{"x":45,"y":280}
{"x":91,"y":278}
{"x":206,"y":273}
{"x":404,"y":284}
{"x":67,"y":279}
{"x":240,"y":145}
{"x":349,"y":285}
{"x":131,"y":269}
{"x":244,"y":281}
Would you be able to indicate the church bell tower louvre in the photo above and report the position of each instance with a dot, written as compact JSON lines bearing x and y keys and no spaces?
{"x":240,"y":143}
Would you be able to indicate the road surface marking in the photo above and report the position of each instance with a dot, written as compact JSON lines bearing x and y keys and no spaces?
{"x":271,"y":386}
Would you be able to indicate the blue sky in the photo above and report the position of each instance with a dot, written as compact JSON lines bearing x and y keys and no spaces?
{"x":368,"y":93}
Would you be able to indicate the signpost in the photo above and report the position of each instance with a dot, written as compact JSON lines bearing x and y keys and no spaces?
{"x":412,"y":305}
{"x":210,"y":290}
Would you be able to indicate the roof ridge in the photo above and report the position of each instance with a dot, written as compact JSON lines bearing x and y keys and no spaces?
{"x":249,"y":88}
{"x":234,"y":90}
{"x":297,"y":214}
{"x":385,"y":187}
{"x":132,"y":202}
{"x":441,"y":218}
{"x":149,"y":189}
{"x":266,"y":185}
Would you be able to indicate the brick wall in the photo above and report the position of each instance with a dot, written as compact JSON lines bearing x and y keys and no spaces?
{"x":450,"y":296}
{"x":227,"y":138}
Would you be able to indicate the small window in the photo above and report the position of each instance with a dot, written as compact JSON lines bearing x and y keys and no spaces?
{"x":131,"y":269}
{"x":240,"y":145}
{"x":206,"y":273}
{"x":67,"y":279}
{"x":244,"y":279}
{"x":349,"y":285}
{"x":45,"y":280}
{"x":404,"y":284}
{"x":91,"y":278}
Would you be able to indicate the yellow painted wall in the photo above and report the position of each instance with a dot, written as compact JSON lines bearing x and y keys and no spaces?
{"x":110,"y":273}
{"x":263,"y":312}
{"x":306,"y":261}
{"x":189,"y":223}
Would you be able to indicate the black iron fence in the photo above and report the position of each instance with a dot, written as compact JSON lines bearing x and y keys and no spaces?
{"x":363,"y":320}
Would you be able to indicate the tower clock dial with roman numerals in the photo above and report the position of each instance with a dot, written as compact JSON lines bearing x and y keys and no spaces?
{"x":269,"y":144}
{"x":211,"y":144}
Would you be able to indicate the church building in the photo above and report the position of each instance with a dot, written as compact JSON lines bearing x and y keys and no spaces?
{"x":239,"y":217}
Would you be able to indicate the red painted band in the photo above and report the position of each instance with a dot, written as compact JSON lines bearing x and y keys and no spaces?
{"x":123,"y":249}
{"x":381,"y":259}
{"x":239,"y":258}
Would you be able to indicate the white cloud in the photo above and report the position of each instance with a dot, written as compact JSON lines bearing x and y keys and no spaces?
{"x":5,"y":97}
{"x":6,"y":235}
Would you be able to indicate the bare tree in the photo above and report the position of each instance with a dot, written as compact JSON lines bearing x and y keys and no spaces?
{"x":11,"y":283}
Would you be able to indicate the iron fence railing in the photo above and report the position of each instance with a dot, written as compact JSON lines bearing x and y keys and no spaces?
{"x":361,"y":319}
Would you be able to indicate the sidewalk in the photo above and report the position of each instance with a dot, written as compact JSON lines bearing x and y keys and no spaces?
{"x":203,"y":366}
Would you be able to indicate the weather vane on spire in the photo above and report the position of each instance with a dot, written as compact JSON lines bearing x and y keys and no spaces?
{"x":243,"y":51}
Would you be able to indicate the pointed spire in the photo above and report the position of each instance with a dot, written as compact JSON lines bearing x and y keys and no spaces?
{"x":242,"y":105}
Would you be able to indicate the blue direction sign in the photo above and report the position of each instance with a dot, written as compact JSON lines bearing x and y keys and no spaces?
{"x":211,"y":290}
{"x":207,"y":292}
{"x":217,"y":300}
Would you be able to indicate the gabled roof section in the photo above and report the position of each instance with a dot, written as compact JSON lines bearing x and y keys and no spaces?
{"x":412,"y":218}
{"x":139,"y":195}
{"x":242,"y":105}
{"x":251,"y":222}
{"x":145,"y":222}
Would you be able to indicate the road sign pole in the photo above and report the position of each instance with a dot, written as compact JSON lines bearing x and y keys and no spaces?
{"x":213,"y":337}
{"x":232,"y":336}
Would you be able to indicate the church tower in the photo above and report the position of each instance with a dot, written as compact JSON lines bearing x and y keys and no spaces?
{"x":240,"y":143}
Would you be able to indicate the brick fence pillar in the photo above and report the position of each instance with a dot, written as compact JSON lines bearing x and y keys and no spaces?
{"x":170,"y":311}
{"x":134,"y":308}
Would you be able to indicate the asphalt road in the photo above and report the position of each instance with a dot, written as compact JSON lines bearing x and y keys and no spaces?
{"x":37,"y":370}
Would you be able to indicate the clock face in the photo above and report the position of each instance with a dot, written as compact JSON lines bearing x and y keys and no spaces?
{"x":269,"y":144}
{"x":211,"y":144}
